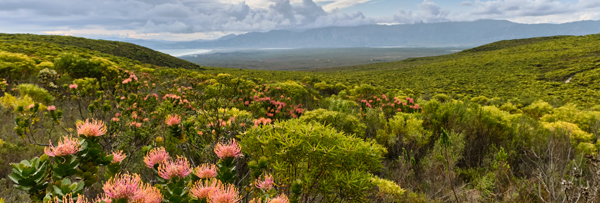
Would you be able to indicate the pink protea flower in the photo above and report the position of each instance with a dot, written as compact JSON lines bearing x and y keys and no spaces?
{"x":227,"y":194}
{"x":156,"y":156}
{"x":139,"y":125}
{"x":118,"y":157}
{"x":67,"y":146}
{"x":124,"y":186}
{"x":150,"y":195}
{"x":280,"y":199}
{"x":266,"y":185}
{"x":206,"y":171}
{"x":228,"y":150}
{"x":172,"y":120}
{"x":104,"y":198}
{"x":93,"y":128}
{"x":73,"y":86}
{"x":126,"y":80}
{"x":51,"y":108}
{"x":205,"y":189}
{"x":115,"y":119}
{"x":31,"y":106}
{"x":179,"y":168}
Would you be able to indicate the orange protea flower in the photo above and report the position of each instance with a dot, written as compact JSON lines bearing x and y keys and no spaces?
{"x":67,"y":146}
{"x":150,"y":195}
{"x":103,"y":197}
{"x":172,"y":120}
{"x":267,"y":184}
{"x":175,"y":168}
{"x":124,"y":186}
{"x":93,"y":128}
{"x":206,"y":171}
{"x":118,"y":157}
{"x":204,"y":189}
{"x":227,"y":194}
{"x":280,"y":199}
{"x":228,"y":150}
{"x":156,"y":156}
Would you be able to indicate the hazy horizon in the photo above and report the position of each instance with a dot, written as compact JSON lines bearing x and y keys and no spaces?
{"x":184,"y":20}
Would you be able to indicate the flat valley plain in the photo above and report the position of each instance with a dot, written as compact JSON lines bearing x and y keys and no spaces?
{"x":311,"y":58}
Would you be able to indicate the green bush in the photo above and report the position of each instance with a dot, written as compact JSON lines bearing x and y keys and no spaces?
{"x":346,"y":123}
{"x":16,"y":66}
{"x":314,"y":157}
{"x":36,"y":93}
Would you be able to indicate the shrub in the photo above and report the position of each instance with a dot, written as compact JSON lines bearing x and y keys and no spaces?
{"x":538,"y":109}
{"x":16,"y":66}
{"x":79,"y":67}
{"x":405,"y":127}
{"x":36,"y":93}
{"x":312,"y":157}
{"x":348,"y":124}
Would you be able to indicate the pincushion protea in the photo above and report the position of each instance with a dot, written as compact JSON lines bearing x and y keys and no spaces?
{"x":172,"y":120}
{"x":151,"y":195}
{"x":124,"y":186}
{"x":267,"y":184}
{"x":178,"y":168}
{"x":67,"y":146}
{"x":206,"y":171}
{"x":226,"y":194}
{"x":156,"y":156}
{"x":118,"y":157}
{"x":280,"y":199}
{"x":204,"y":189}
{"x":91,"y":128}
{"x":228,"y":150}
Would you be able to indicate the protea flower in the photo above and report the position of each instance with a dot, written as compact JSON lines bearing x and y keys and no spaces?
{"x":118,"y":157}
{"x":73,"y":86}
{"x":104,"y":198}
{"x":206,"y":171}
{"x":179,"y":168}
{"x":172,"y":120}
{"x":124,"y":186}
{"x":204,"y":189}
{"x":67,"y":146}
{"x":150,"y":195}
{"x":280,"y":199}
{"x":93,"y":128}
{"x":228,"y":150}
{"x":227,"y":194}
{"x":156,"y":156}
{"x":266,"y":185}
{"x":51,"y":108}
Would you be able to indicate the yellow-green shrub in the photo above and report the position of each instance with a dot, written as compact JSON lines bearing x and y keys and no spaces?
{"x":16,"y":66}
{"x":36,"y":93}
{"x":340,"y":121}
{"x":538,"y":109}
{"x":404,"y":126}
{"x":573,"y":130}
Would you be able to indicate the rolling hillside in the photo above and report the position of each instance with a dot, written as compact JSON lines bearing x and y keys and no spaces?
{"x":121,"y":49}
{"x":527,"y":69}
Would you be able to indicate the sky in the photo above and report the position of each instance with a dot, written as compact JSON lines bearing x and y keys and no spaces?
{"x":182,"y":20}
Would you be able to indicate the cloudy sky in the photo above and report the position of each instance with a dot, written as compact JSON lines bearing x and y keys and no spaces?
{"x":209,"y":19}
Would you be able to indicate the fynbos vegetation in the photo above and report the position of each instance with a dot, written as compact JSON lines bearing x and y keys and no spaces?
{"x":84,"y":126}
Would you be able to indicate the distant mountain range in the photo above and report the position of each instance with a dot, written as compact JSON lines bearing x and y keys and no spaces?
{"x":447,"y":34}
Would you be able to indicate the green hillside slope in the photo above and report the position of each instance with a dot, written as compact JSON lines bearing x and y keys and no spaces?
{"x":122,"y":49}
{"x":527,"y":69}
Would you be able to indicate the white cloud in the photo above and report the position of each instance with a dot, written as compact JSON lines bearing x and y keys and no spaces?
{"x":429,"y":12}
{"x":182,"y":19}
